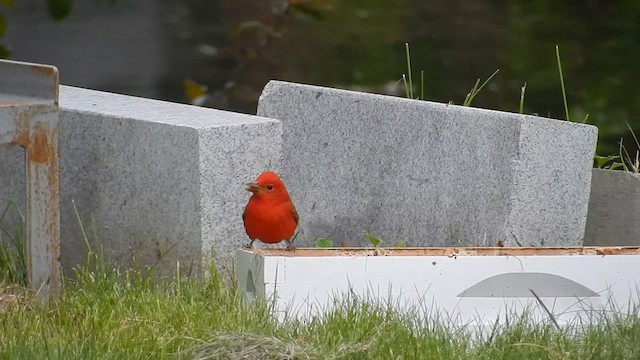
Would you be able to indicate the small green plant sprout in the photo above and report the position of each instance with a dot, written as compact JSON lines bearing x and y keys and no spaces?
{"x":475,"y":90}
{"x":630,"y":163}
{"x":609,"y":162}
{"x":324,"y":243}
{"x":564,"y":92}
{"x":522,"y":90}
{"x":407,"y":78}
{"x":401,"y":243}
{"x":375,"y":241}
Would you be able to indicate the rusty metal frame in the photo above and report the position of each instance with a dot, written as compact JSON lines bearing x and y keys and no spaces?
{"x":29,"y":119}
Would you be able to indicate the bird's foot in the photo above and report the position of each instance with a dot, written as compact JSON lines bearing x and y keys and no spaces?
{"x":290,"y":246}
{"x":248,"y":246}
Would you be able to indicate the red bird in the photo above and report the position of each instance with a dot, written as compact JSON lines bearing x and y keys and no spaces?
{"x":270,"y":215}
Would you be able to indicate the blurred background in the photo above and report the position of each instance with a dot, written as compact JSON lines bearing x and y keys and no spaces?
{"x":221,"y":53}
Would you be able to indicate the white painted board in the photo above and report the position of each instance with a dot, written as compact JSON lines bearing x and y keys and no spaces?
{"x":476,"y":290}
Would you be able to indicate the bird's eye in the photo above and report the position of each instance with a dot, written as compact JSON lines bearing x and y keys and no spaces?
{"x":269,"y":187}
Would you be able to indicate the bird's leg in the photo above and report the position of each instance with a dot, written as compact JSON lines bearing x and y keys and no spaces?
{"x":289,"y":246}
{"x":249,"y":245}
{"x":290,"y":242}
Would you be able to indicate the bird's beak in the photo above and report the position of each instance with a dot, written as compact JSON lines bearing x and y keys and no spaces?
{"x":254,"y":188}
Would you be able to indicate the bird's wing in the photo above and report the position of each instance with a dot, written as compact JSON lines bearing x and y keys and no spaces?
{"x":295,"y":214}
{"x":244,"y":214}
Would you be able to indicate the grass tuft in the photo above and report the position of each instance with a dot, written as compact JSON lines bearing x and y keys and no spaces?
{"x":477,"y":87}
{"x":409,"y":88}
{"x":630,"y":163}
{"x":106,"y":313}
{"x":13,"y":260}
{"x":407,"y":78}
{"x":246,"y":346}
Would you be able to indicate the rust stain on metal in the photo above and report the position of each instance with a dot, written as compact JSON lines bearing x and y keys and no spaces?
{"x":54,"y":167}
{"x":39,"y":149}
{"x":23,"y":120}
{"x":452,"y":251}
{"x":53,"y":208}
{"x":21,"y":137}
{"x":42,"y":153}
{"x":44,"y":70}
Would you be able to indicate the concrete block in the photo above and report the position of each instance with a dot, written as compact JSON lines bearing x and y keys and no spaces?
{"x":614,"y":209}
{"x":427,"y":173}
{"x":154,"y":182}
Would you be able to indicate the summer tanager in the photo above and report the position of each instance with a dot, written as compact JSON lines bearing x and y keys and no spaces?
{"x":270,"y":215}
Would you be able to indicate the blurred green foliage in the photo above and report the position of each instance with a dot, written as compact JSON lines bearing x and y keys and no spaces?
{"x":59,"y":9}
{"x":361,"y":45}
{"x":4,"y":49}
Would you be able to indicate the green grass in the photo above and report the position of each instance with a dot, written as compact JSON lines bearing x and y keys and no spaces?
{"x":13,"y":262}
{"x":407,"y":80}
{"x":105,"y":313}
{"x":630,"y":163}
{"x":108,"y":314}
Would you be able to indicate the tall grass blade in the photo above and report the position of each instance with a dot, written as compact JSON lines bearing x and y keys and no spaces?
{"x":546,"y":309}
{"x":623,"y":155}
{"x":406,"y":86}
{"x":13,"y":259}
{"x":422,"y":85}
{"x":409,"y":71}
{"x":586,"y":117}
{"x":630,"y":163}
{"x":467,"y":99}
{"x":476,"y":89}
{"x":84,"y":233}
{"x":635,"y":138}
{"x":522,"y":90}
{"x":564,"y":93}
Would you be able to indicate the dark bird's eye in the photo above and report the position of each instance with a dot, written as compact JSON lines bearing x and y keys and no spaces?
{"x":269,"y":187}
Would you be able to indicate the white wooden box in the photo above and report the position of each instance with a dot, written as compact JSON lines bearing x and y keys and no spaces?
{"x":465,"y":286}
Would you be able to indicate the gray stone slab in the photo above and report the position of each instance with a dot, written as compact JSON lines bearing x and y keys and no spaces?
{"x":428,"y":173}
{"x":614,"y":209}
{"x":12,"y":176}
{"x":154,"y":182}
